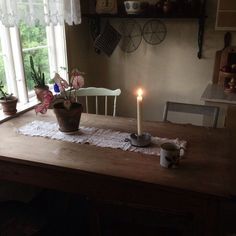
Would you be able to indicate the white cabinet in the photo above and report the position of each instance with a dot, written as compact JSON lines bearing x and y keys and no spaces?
{"x":214,"y":95}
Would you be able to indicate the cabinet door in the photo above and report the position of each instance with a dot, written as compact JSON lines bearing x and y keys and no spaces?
{"x":226,"y":15}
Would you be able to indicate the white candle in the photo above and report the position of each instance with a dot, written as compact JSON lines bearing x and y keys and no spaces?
{"x":139,"y":111}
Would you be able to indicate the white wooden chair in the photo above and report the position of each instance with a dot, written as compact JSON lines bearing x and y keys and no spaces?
{"x":212,"y":111}
{"x":99,"y":92}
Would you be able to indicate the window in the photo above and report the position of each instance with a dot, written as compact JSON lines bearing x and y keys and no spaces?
{"x":47,"y":46}
{"x":34,"y":43}
{"x":2,"y":71}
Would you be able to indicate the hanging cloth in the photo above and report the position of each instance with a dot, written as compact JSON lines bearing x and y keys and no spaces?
{"x":44,"y":12}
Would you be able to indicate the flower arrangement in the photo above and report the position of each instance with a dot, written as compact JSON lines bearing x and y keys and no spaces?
{"x":65,"y":92}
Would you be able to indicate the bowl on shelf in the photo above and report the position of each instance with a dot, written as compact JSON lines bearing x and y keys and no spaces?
{"x":132,"y":7}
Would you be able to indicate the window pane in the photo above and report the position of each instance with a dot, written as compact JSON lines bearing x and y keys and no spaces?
{"x":40,"y":58}
{"x":31,"y":38}
{"x":2,"y":71}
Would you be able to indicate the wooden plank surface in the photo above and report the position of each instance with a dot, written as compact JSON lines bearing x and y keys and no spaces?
{"x":208,"y":167}
{"x":227,"y":5}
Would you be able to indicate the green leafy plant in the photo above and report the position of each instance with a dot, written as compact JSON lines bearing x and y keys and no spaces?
{"x":37,"y":76}
{"x":4,"y":95}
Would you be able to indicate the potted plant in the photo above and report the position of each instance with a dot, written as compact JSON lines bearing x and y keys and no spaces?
{"x":39,"y":80}
{"x":8,"y":101}
{"x":65,"y":105}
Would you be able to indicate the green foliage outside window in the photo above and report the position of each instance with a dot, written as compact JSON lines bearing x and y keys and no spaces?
{"x":32,"y":37}
{"x":2,"y":72}
{"x":40,"y":58}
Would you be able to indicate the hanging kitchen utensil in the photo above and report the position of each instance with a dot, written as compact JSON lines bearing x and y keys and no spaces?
{"x":131,"y":35}
{"x":107,"y":40}
{"x":154,"y":32}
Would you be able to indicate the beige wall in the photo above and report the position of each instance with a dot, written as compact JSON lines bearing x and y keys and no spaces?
{"x":169,"y":71}
{"x":77,"y":40}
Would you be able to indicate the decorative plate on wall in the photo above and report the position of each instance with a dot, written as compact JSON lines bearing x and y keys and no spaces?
{"x":154,"y":32}
{"x":131,"y":33}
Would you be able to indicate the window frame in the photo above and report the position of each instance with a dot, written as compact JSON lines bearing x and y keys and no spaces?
{"x":14,"y":65}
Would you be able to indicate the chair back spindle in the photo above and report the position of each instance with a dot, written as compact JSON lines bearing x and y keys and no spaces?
{"x":97,"y":93}
{"x":86,"y":104}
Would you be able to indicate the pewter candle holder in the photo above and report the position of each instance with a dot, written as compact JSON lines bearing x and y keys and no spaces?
{"x":143,"y":140}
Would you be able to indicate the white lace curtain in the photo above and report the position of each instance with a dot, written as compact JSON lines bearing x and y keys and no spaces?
{"x":39,"y":11}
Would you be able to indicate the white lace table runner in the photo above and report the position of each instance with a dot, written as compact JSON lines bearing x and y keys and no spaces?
{"x":94,"y":136}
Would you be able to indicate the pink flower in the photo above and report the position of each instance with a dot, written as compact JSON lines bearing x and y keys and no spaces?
{"x":47,"y":98}
{"x":77,"y":81}
{"x":62,"y":84}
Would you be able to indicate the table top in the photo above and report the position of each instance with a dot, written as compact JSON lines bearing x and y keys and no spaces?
{"x":215,"y":93}
{"x":208,"y":166}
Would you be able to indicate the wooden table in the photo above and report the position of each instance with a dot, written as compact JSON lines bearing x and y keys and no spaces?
{"x":203,"y":184}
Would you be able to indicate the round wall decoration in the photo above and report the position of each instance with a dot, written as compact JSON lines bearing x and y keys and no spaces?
{"x":154,"y":32}
{"x":131,"y":33}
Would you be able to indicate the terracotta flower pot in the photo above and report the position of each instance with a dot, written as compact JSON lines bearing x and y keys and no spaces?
{"x":9,"y":106}
{"x":68,"y":120}
{"x":39,"y":92}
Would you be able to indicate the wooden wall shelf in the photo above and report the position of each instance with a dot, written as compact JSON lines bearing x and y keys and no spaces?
{"x":162,"y":16}
{"x":226,"y":15}
{"x":199,"y":15}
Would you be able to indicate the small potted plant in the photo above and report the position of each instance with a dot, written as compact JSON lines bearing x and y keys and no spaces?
{"x":68,"y":110}
{"x":8,"y":101}
{"x":39,"y":80}
{"x":64,"y":103}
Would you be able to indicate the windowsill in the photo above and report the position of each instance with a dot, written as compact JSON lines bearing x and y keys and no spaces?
{"x":21,"y":108}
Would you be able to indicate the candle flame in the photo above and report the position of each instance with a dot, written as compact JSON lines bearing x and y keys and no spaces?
{"x":140,"y":92}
